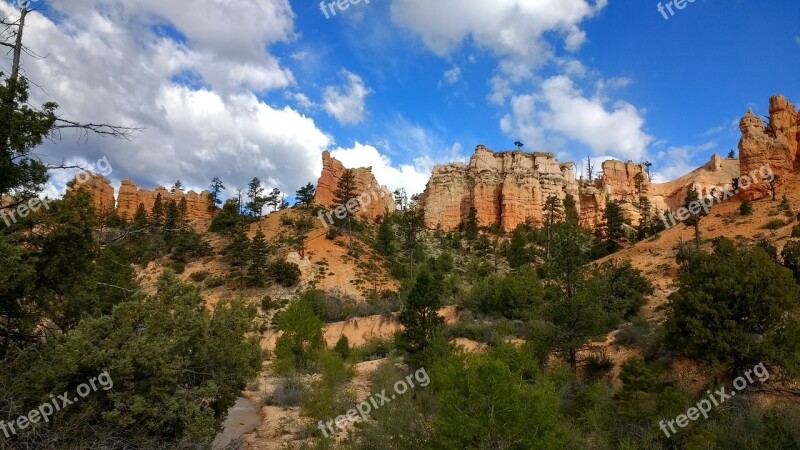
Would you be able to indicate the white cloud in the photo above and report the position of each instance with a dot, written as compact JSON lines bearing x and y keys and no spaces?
{"x":452,"y":75}
{"x":676,"y":161}
{"x":515,"y":30}
{"x":560,"y":111}
{"x":112,"y":62}
{"x":411,"y":177}
{"x":347,"y":105}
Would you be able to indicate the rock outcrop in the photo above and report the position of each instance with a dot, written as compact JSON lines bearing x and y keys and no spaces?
{"x":776,"y":143}
{"x":511,"y":188}
{"x":375,"y":199}
{"x":198,"y":206}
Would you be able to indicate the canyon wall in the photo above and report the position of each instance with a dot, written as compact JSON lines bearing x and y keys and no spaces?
{"x":376,"y":200}
{"x":198,"y":206}
{"x":776,"y":143}
{"x":511,"y":188}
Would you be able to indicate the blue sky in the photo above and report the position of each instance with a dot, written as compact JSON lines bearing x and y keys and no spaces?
{"x":244,"y":88}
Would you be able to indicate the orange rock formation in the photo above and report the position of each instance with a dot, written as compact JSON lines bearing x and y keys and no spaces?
{"x":776,"y":143}
{"x":198,"y":206}
{"x":380,"y":198}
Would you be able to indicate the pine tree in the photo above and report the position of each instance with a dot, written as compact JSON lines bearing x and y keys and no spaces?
{"x":257,"y":200}
{"x":172,"y":217}
{"x":571,"y":209}
{"x":344,"y":194}
{"x":384,"y":241}
{"x":239,"y":247}
{"x":157,"y":213}
{"x":518,"y":253}
{"x":140,"y":218}
{"x":696,"y":214}
{"x":420,"y":315}
{"x":552,"y":209}
{"x":302,"y":227}
{"x":274,"y":199}
{"x":471,"y":226}
{"x":217,"y":186}
{"x":305,"y":195}
{"x":614,"y":226}
{"x":257,"y":269}
{"x":178,"y":186}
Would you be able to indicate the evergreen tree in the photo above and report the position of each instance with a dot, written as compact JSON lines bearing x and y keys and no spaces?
{"x":614,"y":225}
{"x":305,"y":195}
{"x":696,"y":214}
{"x":238,"y":250}
{"x":384,"y":241}
{"x":157,"y":213}
{"x":274,"y":199}
{"x":401,"y":199}
{"x":302,"y":227}
{"x":228,"y":219}
{"x":302,"y":337}
{"x":471,"y":226}
{"x":410,"y":223}
{"x":256,"y":199}
{"x":518,"y":253}
{"x":420,"y":314}
{"x":258,"y":251}
{"x":183,"y":211}
{"x":791,"y":258}
{"x":172,"y":217}
{"x":571,"y":209}
{"x":217,"y":186}
{"x":345,"y":193}
{"x":140,"y":218}
{"x":552,"y":210}
{"x":735,"y":307}
{"x":177,"y":187}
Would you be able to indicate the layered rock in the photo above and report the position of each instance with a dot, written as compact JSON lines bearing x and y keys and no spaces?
{"x":198,"y":206}
{"x":375,"y":200}
{"x":511,"y":188}
{"x":775,"y":144}
{"x":506,"y":189}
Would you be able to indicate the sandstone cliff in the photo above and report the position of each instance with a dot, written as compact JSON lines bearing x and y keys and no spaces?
{"x":510,"y":188}
{"x":777,"y":143}
{"x":198,"y":206}
{"x":376,"y":199}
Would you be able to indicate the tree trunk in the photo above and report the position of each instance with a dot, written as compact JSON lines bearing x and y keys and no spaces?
{"x":18,"y":41}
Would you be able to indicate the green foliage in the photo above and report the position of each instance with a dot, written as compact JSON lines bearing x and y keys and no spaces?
{"x":24,"y":127}
{"x":518,"y":254}
{"x":420,"y":314}
{"x":342,"y":348}
{"x":746,"y":208}
{"x":286,"y":274}
{"x":791,"y":258}
{"x":176,"y":367}
{"x":301,"y":339}
{"x":515,"y":296}
{"x":485,"y":403}
{"x":613,"y":225}
{"x":305,"y":195}
{"x":735,"y":307}
{"x":385,"y":238}
{"x":258,"y":263}
{"x":470,"y":226}
{"x":228,"y":219}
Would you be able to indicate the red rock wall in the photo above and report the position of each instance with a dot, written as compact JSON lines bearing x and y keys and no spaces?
{"x":380,"y":198}
{"x":776,"y":143}
{"x":198,"y":206}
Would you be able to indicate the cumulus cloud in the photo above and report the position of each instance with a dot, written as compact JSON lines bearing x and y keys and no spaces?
{"x":676,"y":161}
{"x":191,"y":77}
{"x":411,"y":177}
{"x":452,"y":75}
{"x":561,"y":111}
{"x":347,"y":104}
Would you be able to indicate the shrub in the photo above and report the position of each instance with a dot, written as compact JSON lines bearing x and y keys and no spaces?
{"x":199,"y":277}
{"x":213,"y":282}
{"x":287,"y":221}
{"x":775,"y":224}
{"x":746,"y":208}
{"x":342,"y":347}
{"x":796,"y":231}
{"x":597,"y":366}
{"x":284,"y":273}
{"x":635,"y":335}
{"x":290,"y":392}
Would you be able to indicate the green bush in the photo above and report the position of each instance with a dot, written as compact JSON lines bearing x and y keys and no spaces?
{"x":775,"y":224}
{"x":290,"y":392}
{"x":284,"y":273}
{"x":746,"y":208}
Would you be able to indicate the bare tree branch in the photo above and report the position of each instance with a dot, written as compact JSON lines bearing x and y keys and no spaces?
{"x":116,"y":131}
